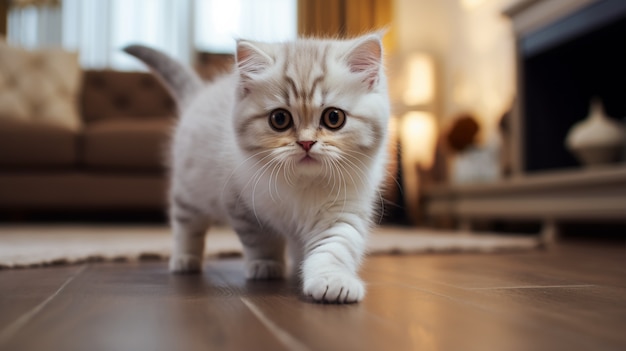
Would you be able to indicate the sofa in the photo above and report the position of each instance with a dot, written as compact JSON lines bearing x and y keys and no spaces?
{"x":111,"y":159}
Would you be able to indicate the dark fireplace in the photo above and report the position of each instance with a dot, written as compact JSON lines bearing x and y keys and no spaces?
{"x":564,"y":65}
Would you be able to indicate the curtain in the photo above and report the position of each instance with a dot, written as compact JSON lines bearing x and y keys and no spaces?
{"x":99,"y":29}
{"x":345,"y":18}
{"x":33,"y":27}
{"x":219,"y":22}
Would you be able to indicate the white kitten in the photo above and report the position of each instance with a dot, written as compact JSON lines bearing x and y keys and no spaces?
{"x":288,"y":149}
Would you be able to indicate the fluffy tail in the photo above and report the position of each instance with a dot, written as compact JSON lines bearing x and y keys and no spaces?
{"x":180,"y":80}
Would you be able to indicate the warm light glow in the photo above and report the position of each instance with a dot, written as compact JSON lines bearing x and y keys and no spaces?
{"x":419,"y":135}
{"x":471,"y":4}
{"x":420,"y":80}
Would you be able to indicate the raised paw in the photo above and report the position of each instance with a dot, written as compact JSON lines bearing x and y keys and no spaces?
{"x":334,"y":288}
{"x":185,"y":264}
{"x":265,"y":269}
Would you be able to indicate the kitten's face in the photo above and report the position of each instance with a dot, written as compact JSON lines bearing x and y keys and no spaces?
{"x":312,"y":108}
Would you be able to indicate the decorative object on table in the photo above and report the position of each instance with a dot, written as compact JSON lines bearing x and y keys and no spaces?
{"x":472,"y":162}
{"x":462,"y":133}
{"x":598,"y":139}
{"x":478,"y":164}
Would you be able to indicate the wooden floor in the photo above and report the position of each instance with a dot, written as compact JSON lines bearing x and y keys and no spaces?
{"x":570,"y":297}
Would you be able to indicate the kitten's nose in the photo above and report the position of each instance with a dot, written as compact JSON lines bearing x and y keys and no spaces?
{"x":306,"y":145}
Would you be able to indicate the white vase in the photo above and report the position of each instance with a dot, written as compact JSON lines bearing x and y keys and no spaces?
{"x":598,"y":139}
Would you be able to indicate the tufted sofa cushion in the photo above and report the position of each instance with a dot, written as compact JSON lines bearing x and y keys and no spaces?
{"x":128,"y":144}
{"x":39,"y":86}
{"x":25,"y":145}
{"x":115,"y":94}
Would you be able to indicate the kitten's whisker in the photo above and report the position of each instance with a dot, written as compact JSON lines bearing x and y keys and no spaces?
{"x":291,"y":172}
{"x":335,"y":175}
{"x":261,"y":169}
{"x":342,"y":168}
{"x":378,"y":192}
{"x":382,"y":207}
{"x":345,"y":191}
{"x":359,"y":153}
{"x":387,"y":173}
{"x":328,"y":174}
{"x":395,"y":180}
{"x":241,"y":164}
{"x":328,"y":168}
{"x":279,"y":165}
{"x":358,"y":171}
{"x":337,"y":178}
{"x":392,"y":176}
{"x":269,"y":181}
{"x":258,"y":179}
{"x":288,"y":171}
{"x":365,"y":166}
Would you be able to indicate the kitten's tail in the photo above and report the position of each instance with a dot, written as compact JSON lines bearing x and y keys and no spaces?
{"x":182,"y":82}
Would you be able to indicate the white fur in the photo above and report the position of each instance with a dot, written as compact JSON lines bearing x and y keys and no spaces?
{"x":323,"y":211}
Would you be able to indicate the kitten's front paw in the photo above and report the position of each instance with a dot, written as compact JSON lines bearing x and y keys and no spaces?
{"x":185,"y":264}
{"x":265,"y":269}
{"x":335,"y":288}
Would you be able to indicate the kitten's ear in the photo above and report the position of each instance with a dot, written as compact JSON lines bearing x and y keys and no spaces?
{"x":251,"y":60}
{"x":366,"y":58}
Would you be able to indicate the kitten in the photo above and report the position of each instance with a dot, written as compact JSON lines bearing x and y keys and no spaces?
{"x":290,"y":149}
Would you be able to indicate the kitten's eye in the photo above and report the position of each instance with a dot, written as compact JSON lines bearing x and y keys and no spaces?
{"x":280,"y":120}
{"x":333,"y":118}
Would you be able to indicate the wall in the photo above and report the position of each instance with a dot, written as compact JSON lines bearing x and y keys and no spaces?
{"x":474,"y":48}
{"x":421,"y":25}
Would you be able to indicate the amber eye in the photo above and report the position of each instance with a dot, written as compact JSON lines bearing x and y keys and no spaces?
{"x":333,"y":118}
{"x":280,"y":120}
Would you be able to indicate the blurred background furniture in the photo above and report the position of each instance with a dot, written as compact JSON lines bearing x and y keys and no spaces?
{"x":567,"y":54}
{"x":113,"y":160}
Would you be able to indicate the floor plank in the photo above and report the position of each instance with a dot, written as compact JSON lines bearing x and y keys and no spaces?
{"x":143,"y":307}
{"x":569,"y":297}
{"x":313,"y":326}
{"x":23,"y":290}
{"x":550,"y":294}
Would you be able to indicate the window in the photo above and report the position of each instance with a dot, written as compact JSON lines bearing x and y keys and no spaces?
{"x":219,"y":22}
{"x":99,"y":29}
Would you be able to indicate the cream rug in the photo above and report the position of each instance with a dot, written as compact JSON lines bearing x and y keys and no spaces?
{"x":26,"y":246}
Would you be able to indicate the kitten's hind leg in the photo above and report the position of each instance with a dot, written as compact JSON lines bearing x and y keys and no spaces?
{"x":265,"y":260}
{"x":264,"y":252}
{"x":188,"y":230}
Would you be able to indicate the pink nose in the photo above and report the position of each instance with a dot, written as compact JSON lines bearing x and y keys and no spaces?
{"x":306,"y":145}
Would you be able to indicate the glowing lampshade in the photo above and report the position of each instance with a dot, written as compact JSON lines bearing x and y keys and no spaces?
{"x":420,"y":80}
{"x":419,"y":136}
